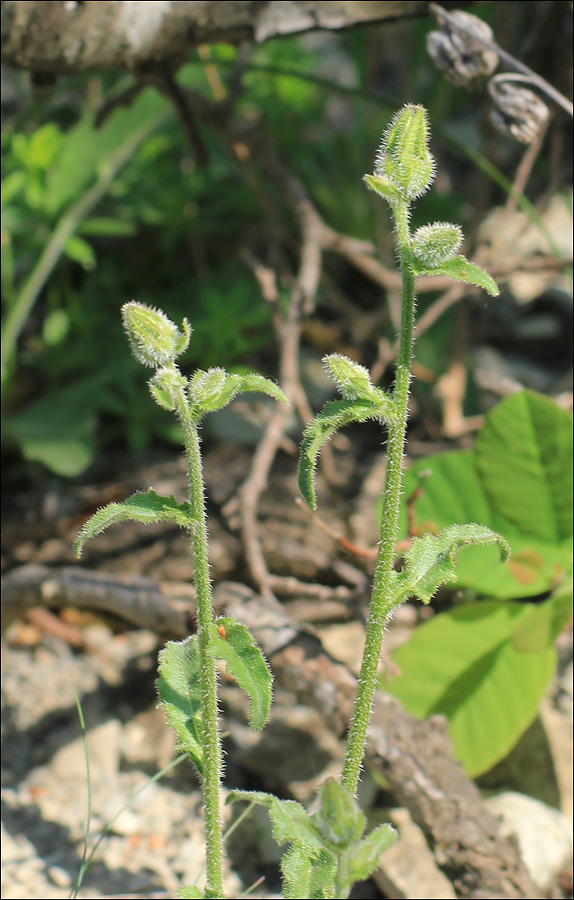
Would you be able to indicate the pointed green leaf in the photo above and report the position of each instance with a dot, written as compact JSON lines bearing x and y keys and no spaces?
{"x":212,"y":390}
{"x":334,"y":415}
{"x":244,"y":662}
{"x":180,"y":695}
{"x":291,"y":822}
{"x":144,"y":506}
{"x":461,"y":269}
{"x":339,"y":818}
{"x":431,"y":560}
{"x":384,"y":187}
{"x":362,"y":860}
{"x":259,"y":384}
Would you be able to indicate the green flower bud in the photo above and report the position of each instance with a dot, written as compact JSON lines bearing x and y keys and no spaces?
{"x":434,"y":244}
{"x":211,"y":390}
{"x":404,"y":158}
{"x":166,"y":387}
{"x":154,"y":339}
{"x":352,"y":379}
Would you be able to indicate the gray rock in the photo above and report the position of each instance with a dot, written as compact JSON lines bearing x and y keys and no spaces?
{"x":543,"y":834}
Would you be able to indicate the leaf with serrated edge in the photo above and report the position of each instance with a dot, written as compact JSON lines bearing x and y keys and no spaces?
{"x":461,"y":269}
{"x":334,"y":415}
{"x":180,"y":695}
{"x":430,"y":561}
{"x":244,"y":661}
{"x":144,"y":506}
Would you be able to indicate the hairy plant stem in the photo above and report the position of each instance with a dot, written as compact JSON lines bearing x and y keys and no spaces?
{"x":382,"y":594}
{"x":208,"y":679}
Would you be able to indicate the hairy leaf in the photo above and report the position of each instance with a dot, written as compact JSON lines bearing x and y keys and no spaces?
{"x":335,"y":415}
{"x":352,"y":379}
{"x":233,"y":643}
{"x":431,"y":560}
{"x":180,"y":695}
{"x":258,"y":383}
{"x":339,"y":818}
{"x":144,"y":506}
{"x":363,"y":859}
{"x":291,"y":822}
{"x":461,"y":269}
{"x":308,"y":873}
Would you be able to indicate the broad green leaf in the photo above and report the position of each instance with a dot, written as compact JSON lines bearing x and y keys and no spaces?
{"x":461,"y":269}
{"x":291,"y":822}
{"x":180,"y":695}
{"x":362,"y":860}
{"x":244,"y":661}
{"x":145,"y":506}
{"x":86,"y":150}
{"x":339,"y":817}
{"x":431,"y":560}
{"x":57,"y":430}
{"x":524,"y":460}
{"x":518,"y":482}
{"x":463,"y":664}
{"x":546,"y":621}
{"x":334,"y":415}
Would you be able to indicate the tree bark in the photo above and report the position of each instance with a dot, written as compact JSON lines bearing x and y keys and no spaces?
{"x":57,"y":37}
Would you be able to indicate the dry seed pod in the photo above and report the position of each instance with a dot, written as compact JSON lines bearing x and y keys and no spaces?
{"x":519,"y":112}
{"x":461,"y":58}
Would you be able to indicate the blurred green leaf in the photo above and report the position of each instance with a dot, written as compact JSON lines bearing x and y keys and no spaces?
{"x":464,"y":664}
